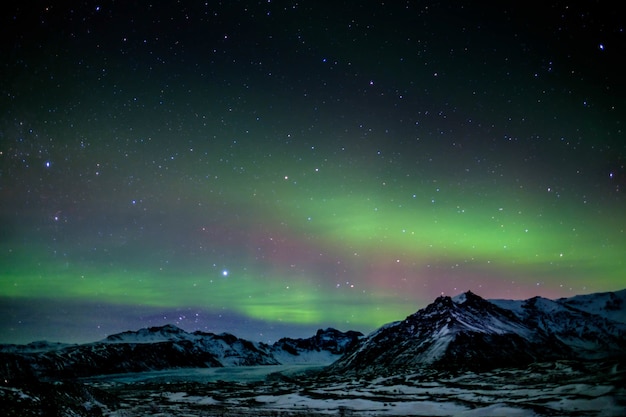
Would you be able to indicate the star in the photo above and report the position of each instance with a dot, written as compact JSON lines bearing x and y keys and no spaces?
{"x":210,"y":166}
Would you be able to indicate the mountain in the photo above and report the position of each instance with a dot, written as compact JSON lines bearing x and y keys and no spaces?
{"x":469,"y":332}
{"x":464,"y":332}
{"x":588,"y":335}
{"x":610,"y":305}
{"x":325,"y":347}
{"x":167,"y":333}
{"x":39,"y":346}
{"x":154,"y":348}
{"x":166,"y":347}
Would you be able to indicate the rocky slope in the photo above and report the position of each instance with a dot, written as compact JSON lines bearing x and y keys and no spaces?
{"x":468,"y":332}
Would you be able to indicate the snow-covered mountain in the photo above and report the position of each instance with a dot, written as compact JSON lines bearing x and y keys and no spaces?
{"x":325,"y":347}
{"x":588,"y":334}
{"x":468,"y":332}
{"x":610,"y":305}
{"x":166,"y":347}
{"x":149,"y":349}
{"x":167,"y":333}
{"x":464,"y":332}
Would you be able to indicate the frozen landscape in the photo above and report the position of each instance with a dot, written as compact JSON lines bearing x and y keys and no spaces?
{"x":462,"y":356}
{"x":561,"y":389}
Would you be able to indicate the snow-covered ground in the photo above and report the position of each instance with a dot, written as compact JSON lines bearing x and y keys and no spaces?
{"x":563,"y":389}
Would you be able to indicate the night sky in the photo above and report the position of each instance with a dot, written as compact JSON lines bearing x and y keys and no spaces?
{"x":270,"y":168}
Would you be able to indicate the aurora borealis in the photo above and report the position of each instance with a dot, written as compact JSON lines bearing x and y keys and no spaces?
{"x":269,"y":168}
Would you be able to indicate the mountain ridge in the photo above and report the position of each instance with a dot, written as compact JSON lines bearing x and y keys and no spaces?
{"x":166,"y":347}
{"x":468,"y":332}
{"x":460,"y":332}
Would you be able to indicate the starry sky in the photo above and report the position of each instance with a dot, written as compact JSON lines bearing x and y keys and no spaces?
{"x":269,"y":168}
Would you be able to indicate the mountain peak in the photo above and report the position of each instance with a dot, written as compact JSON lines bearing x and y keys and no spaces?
{"x":465,"y":297}
{"x":167,"y":328}
{"x":150,"y":334}
{"x":442,"y":301}
{"x":465,"y":302}
{"x":464,"y":331}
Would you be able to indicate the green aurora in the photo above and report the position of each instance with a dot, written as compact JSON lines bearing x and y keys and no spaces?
{"x":269,"y":172}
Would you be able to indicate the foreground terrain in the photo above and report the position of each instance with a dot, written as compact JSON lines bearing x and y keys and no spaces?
{"x":564,"y":388}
